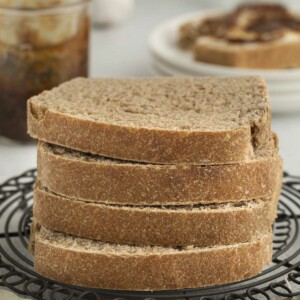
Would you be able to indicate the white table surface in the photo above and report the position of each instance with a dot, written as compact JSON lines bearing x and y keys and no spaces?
{"x":122,"y":51}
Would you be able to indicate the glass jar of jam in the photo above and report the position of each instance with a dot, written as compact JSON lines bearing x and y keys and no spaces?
{"x":42,"y":44}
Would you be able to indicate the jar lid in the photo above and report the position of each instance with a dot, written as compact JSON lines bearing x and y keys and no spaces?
{"x":33,"y":4}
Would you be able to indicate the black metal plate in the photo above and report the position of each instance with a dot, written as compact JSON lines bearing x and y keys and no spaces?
{"x":281,"y":279}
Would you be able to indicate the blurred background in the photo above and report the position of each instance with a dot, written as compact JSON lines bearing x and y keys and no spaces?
{"x":124,"y":36}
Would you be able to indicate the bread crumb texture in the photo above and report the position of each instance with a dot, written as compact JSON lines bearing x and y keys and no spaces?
{"x":157,"y":120}
{"x":205,"y":104}
{"x":76,"y":261}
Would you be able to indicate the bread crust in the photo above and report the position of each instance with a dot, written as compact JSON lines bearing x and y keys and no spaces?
{"x":128,"y":141}
{"x":162,"y":271}
{"x":279,"y":54}
{"x":142,"y":144}
{"x":201,"y":226}
{"x":141,"y":184}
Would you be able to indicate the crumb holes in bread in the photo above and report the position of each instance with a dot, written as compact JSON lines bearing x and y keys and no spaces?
{"x":38,"y":112}
{"x":254,"y":132}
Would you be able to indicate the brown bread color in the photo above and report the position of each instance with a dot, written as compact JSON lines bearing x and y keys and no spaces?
{"x":94,"y":178}
{"x":96,"y":264}
{"x":201,"y":225}
{"x":277,"y":54}
{"x":158,"y":120}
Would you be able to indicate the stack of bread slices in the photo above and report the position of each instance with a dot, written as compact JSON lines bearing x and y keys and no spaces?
{"x":154,"y":183}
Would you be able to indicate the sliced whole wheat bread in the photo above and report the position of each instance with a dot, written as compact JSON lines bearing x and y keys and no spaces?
{"x":94,"y":178}
{"x":159,"y":120}
{"x":96,"y":264}
{"x":281,"y":53}
{"x":201,"y":225}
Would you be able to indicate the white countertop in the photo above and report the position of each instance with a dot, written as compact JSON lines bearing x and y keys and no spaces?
{"x":121,"y":51}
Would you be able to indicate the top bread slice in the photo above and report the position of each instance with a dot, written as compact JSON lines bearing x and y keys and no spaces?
{"x":157,"y":120}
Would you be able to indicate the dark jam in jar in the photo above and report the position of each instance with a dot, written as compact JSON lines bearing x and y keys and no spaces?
{"x":33,"y":59}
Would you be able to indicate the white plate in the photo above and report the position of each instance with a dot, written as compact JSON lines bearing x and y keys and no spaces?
{"x":169,"y":59}
{"x":281,"y":103}
{"x":163,"y":42}
{"x":283,"y":87}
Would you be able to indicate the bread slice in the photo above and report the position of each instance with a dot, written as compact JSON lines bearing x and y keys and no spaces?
{"x":201,"y":225}
{"x":159,"y":120}
{"x":94,"y":178}
{"x":96,"y":264}
{"x":281,"y":53}
{"x":264,"y":36}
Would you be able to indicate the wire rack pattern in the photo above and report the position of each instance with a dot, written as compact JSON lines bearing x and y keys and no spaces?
{"x":280,"y":280}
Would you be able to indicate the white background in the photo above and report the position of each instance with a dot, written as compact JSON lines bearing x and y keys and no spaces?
{"x":121,"y":51}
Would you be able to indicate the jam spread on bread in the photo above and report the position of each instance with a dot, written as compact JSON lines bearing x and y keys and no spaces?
{"x":252,"y":23}
{"x":248,"y":23}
